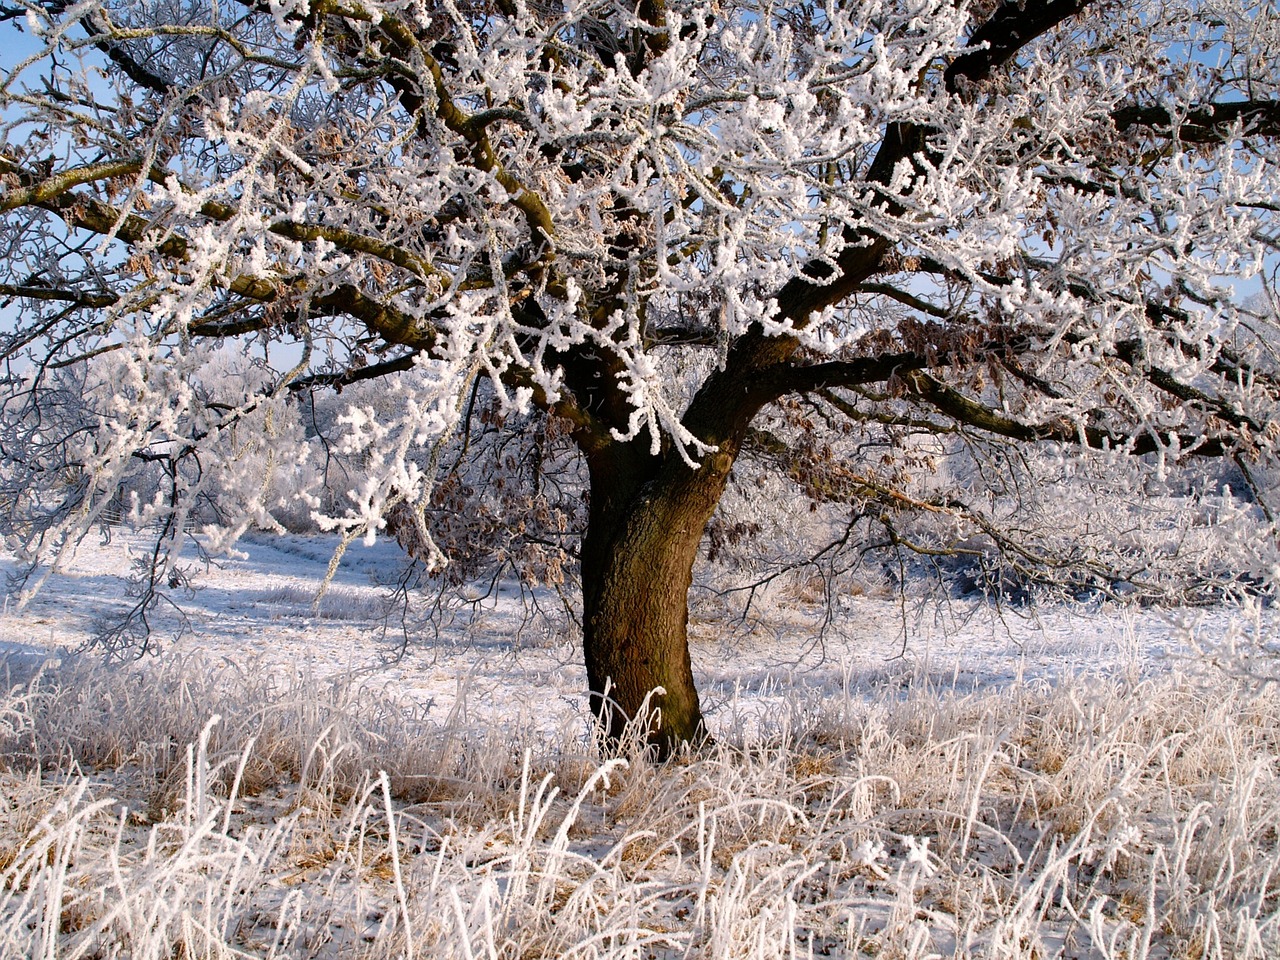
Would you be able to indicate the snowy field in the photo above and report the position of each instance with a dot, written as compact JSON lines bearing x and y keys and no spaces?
{"x":261,"y":610}
{"x":913,"y":779}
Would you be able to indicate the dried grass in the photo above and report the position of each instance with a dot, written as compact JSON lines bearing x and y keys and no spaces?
{"x":194,"y":810}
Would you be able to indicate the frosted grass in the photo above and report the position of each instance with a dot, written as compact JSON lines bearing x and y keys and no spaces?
{"x":194,"y":810}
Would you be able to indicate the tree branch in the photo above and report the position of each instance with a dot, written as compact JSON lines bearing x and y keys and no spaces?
{"x":1212,"y":123}
{"x":1013,"y":25}
{"x":845,"y":373}
{"x":352,"y":375}
{"x":971,"y":413}
{"x":34,"y":191}
{"x":404,"y":80}
{"x":77,"y":298}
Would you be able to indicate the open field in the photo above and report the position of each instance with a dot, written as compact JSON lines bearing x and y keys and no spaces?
{"x":1078,"y":784}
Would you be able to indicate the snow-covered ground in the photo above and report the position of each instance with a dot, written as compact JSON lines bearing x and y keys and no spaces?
{"x":913,"y":780}
{"x":524,"y":668}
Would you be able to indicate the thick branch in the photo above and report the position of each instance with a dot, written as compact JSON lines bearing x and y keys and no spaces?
{"x":33,"y":191}
{"x":76,"y":298}
{"x":1131,"y":352}
{"x":971,"y":413}
{"x":1014,"y":24}
{"x":352,"y":375}
{"x":1212,"y":123}
{"x":846,"y":373}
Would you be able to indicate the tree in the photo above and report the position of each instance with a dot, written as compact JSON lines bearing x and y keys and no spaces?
{"x":651,"y":223}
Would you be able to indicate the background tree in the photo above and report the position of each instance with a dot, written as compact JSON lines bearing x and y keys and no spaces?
{"x":651,"y":223}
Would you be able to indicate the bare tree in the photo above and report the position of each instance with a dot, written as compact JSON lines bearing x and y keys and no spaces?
{"x":653,"y":222}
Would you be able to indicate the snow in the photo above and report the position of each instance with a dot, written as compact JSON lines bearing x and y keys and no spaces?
{"x":261,"y":607}
{"x":1028,"y":784}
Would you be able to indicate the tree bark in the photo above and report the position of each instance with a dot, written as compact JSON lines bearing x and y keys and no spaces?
{"x":642,"y":539}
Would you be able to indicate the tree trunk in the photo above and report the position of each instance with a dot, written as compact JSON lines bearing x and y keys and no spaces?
{"x":637,"y":564}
